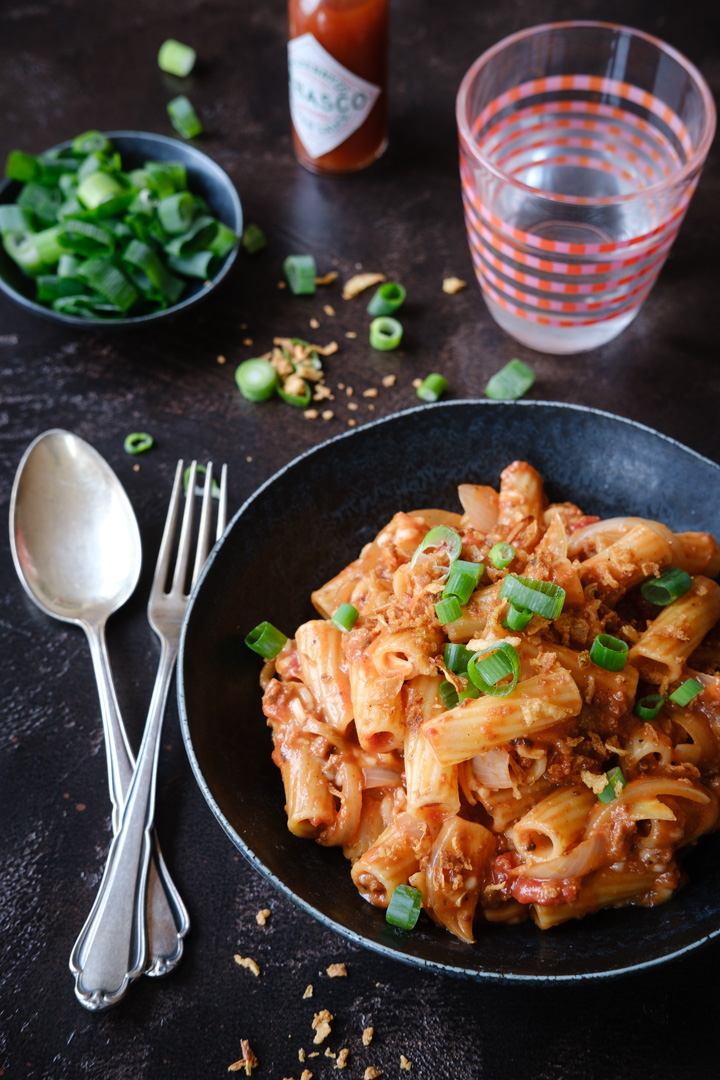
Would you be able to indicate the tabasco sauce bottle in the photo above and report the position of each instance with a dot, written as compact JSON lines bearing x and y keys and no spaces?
{"x":337,"y":58}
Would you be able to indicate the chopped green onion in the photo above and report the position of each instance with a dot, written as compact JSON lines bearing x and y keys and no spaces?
{"x":404,"y":907}
{"x":462,"y":580}
{"x":510,"y":382}
{"x":448,"y":610}
{"x":387,"y":299}
{"x":91,"y":142}
{"x":68,"y":266}
{"x":137,"y":442}
{"x":85,"y":307}
{"x":300,"y":272}
{"x":183,"y":117}
{"x":266,"y":640}
{"x":385,"y":333}
{"x":517,"y":618}
{"x":648,"y":707}
{"x":160,"y":179}
{"x":104,"y":277}
{"x":501,"y":555}
{"x":41,"y":201}
{"x":198,"y":237}
{"x":21,"y":166}
{"x":201,"y":264}
{"x":175,"y":212}
{"x":439,"y":537}
{"x":225,"y":240}
{"x":615,"y":783}
{"x":99,"y":188}
{"x":345,"y":617}
{"x":51,"y":287}
{"x":253,"y":240}
{"x":144,"y":258}
{"x":608,"y":652}
{"x":667,"y":587}
{"x":14,"y":218}
{"x":20,"y":246}
{"x":84,"y":238}
{"x":300,"y":401}
{"x":470,"y":691}
{"x":214,"y":486}
{"x":541,"y":597}
{"x":432,"y":387}
{"x":176,"y":58}
{"x":48,"y":244}
{"x":256,"y":379}
{"x":457,"y":657}
{"x":448,"y":694}
{"x":686,"y":692}
{"x":487,"y":668}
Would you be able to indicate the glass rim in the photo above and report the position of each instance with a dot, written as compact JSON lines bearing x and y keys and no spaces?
{"x":695,"y":160}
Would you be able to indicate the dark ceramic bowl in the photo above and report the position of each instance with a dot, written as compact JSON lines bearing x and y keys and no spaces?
{"x":205,"y":178}
{"x":309,"y":521}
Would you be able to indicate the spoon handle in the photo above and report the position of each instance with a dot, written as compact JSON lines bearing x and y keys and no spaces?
{"x":167,"y":918}
{"x":111,"y":949}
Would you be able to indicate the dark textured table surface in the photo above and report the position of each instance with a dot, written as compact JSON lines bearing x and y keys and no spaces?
{"x":69,"y":65}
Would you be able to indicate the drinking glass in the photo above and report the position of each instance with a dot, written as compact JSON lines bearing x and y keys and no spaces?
{"x":581,"y":144}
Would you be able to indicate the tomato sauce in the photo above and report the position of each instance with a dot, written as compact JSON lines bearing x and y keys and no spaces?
{"x":346,"y":104}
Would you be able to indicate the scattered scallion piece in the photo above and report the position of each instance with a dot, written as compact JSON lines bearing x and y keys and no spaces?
{"x":648,"y":707}
{"x":462,"y":580}
{"x":137,"y":442}
{"x":488,"y":668}
{"x":256,"y":379}
{"x":470,"y":691}
{"x":183,"y":117}
{"x":510,"y":382}
{"x":448,"y":694}
{"x":517,"y":618}
{"x":176,"y":58}
{"x":300,"y":272}
{"x":457,"y":657}
{"x":404,"y":907}
{"x":385,"y":333}
{"x":253,"y":239}
{"x":448,"y":610}
{"x":615,"y":783}
{"x":684,"y":693}
{"x":266,"y":640}
{"x":441,"y":536}
{"x":543,"y":598}
{"x":345,"y":617}
{"x":214,"y":487}
{"x":608,"y":652}
{"x":501,"y":555}
{"x":670,"y":585}
{"x":91,"y":142}
{"x":387,"y":299}
{"x":432,"y":387}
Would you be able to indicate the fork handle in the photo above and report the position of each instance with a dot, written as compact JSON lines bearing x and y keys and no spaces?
{"x":168,"y":921}
{"x":112,"y":947}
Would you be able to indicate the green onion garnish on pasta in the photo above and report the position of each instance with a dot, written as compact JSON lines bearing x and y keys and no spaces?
{"x":387,"y":299}
{"x":487,"y":668}
{"x":543,"y":598}
{"x":501,"y":555}
{"x":441,"y":536}
{"x":183,"y":117}
{"x":448,"y":694}
{"x":615,"y":783}
{"x":608,"y":652}
{"x":404,"y":907}
{"x":300,"y":272}
{"x":457,"y":657}
{"x":462,"y":580}
{"x":345,"y":617}
{"x":176,"y":58}
{"x":385,"y":333}
{"x":266,"y":640}
{"x":448,"y":610}
{"x":137,"y":442}
{"x":688,"y":690}
{"x":510,"y":382}
{"x":648,"y":707}
{"x":662,"y":590}
{"x":432,"y":387}
{"x":517,"y":618}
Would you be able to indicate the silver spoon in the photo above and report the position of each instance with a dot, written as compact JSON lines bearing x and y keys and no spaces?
{"x":76,"y":547}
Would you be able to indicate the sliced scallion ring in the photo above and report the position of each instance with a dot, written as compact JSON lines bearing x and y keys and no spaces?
{"x":648,"y":707}
{"x":510,"y":382}
{"x":488,"y":667}
{"x":432,"y":387}
{"x":266,"y":640}
{"x":457,"y":657}
{"x":441,"y":536}
{"x":104,"y":277}
{"x":462,"y":580}
{"x":300,"y":272}
{"x":183,"y":117}
{"x":517,"y":618}
{"x":214,"y":486}
{"x":404,"y":907}
{"x":91,"y":142}
{"x":448,"y":610}
{"x":501,"y":555}
{"x":387,"y":299}
{"x":137,"y":442}
{"x":543,"y":598}
{"x":176,"y":58}
{"x":345,"y":617}
{"x":448,"y":694}
{"x":256,"y":379}
{"x":670,"y":585}
{"x":175,"y":212}
{"x":608,"y":652}
{"x":385,"y":333}
{"x":684,"y":693}
{"x":615,"y":783}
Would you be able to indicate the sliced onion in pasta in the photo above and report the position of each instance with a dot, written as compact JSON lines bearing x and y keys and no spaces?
{"x":375,"y":776}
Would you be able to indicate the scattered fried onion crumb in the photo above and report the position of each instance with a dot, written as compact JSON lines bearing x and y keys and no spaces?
{"x":328,"y":414}
{"x":358,"y":283}
{"x":247,"y":962}
{"x":326,"y":279}
{"x":311,"y":414}
{"x":301,"y":1055}
{"x":353,"y":406}
{"x":350,"y":334}
{"x":453,"y":284}
{"x":321,"y":1025}
{"x":389,"y":380}
{"x":372,"y":391}
{"x":308,"y":991}
{"x":221,"y":360}
{"x":342,"y":1057}
{"x":371,"y":1073}
{"x":335,"y":971}
{"x":248,"y":1061}
{"x":594,"y":781}
{"x":329,"y":1053}
{"x":281,"y":285}
{"x":247,"y":341}
{"x":329,"y":310}
{"x":352,"y":423}
{"x":405,"y":1064}
{"x":306,"y":1075}
{"x":417,"y":382}
{"x":262,"y":916}
{"x":367,"y":1036}
{"x":314,"y":324}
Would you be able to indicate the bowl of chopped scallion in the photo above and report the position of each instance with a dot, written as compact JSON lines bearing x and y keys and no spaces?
{"x":118,"y":228}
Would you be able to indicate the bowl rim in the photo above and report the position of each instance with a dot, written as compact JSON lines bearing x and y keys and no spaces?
{"x":207,"y":164}
{"x":351,"y":935}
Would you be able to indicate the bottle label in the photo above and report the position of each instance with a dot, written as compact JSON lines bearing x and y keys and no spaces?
{"x":327,"y":102}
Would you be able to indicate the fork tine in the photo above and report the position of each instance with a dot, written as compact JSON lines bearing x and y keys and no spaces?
{"x":184,"y":544}
{"x":163,"y":561}
{"x":203,"y":543}
{"x":222,"y":507}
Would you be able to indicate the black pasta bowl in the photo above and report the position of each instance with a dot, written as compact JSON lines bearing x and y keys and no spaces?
{"x":303,"y":526}
{"x":205,"y":179}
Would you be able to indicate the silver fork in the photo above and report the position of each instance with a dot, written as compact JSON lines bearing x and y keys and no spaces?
{"x":111,"y":949}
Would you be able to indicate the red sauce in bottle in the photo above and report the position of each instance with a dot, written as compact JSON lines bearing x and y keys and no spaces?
{"x":338,"y":102}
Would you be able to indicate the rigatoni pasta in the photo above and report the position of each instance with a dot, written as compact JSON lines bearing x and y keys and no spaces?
{"x":507,"y":761}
